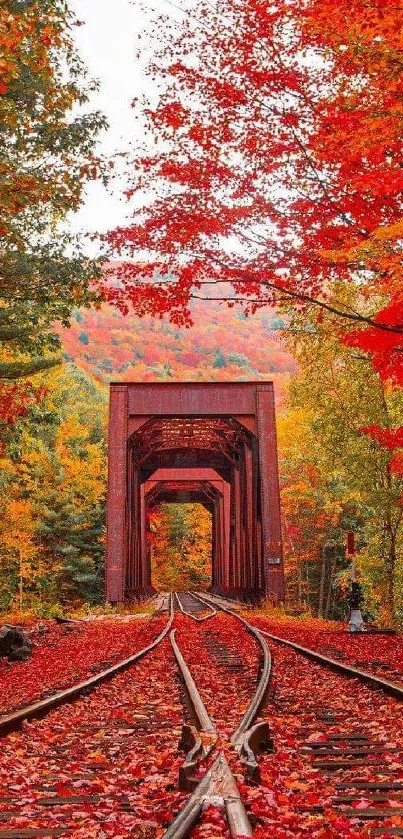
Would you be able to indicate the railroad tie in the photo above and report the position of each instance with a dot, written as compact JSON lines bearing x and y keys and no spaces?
{"x":342,"y":752}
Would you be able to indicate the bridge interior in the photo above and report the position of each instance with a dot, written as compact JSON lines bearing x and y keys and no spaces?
{"x":195,"y":486}
{"x":188,"y":442}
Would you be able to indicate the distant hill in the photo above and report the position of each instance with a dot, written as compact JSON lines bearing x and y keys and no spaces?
{"x":222,"y":344}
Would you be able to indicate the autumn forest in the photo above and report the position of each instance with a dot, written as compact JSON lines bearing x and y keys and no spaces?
{"x":263,"y":241}
{"x":201,"y":419}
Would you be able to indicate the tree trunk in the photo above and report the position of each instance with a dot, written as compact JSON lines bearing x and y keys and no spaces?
{"x":300,"y":583}
{"x":390,"y":566}
{"x":11,"y":370}
{"x":329,"y":588}
{"x":321,"y":600}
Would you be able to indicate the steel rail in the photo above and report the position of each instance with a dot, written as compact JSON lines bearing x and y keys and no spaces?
{"x":218,"y":783}
{"x":14,"y":720}
{"x":332,"y":750}
{"x":249,"y":738}
{"x":390,"y":688}
{"x":191,"y":812}
{"x":257,"y":700}
{"x":194,"y":617}
{"x":205,"y":721}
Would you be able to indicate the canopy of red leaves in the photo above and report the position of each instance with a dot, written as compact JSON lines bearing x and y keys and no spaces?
{"x":389,"y":438}
{"x":15,"y":400}
{"x":275,"y":166}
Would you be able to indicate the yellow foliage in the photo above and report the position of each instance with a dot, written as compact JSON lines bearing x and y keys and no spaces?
{"x":52,"y":495}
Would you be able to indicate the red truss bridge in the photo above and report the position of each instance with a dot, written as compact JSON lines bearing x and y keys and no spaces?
{"x":212,"y":443}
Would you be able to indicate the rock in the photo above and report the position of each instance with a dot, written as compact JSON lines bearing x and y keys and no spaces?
{"x":14,"y":643}
{"x":20,"y":654}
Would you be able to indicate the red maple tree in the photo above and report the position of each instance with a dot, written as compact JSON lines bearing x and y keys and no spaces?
{"x":275,"y":173}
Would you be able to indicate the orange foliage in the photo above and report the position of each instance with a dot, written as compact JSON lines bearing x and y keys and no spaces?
{"x":221,"y":345}
{"x":180,"y":542}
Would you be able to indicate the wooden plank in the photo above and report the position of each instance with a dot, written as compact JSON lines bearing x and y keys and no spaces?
{"x":371,"y":813}
{"x":370,"y":785}
{"x":345,"y":751}
{"x":32,"y":833}
{"x":347,"y":799}
{"x":344,"y":764}
{"x":66,"y":800}
{"x":347,"y":738}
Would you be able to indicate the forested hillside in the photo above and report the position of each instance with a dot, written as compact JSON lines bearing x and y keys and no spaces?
{"x":222,"y":344}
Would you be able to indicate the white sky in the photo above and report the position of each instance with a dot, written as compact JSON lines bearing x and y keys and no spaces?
{"x":107,"y":43}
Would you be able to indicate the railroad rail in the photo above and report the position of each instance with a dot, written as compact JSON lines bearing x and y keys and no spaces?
{"x":205,"y":771}
{"x":218,"y":782}
{"x":345,"y":754}
{"x":192,"y":606}
{"x":245,"y":736}
{"x":391,"y":688}
{"x":388,"y":687}
{"x":14,"y":720}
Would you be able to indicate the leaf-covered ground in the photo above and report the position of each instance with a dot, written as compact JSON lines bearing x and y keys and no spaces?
{"x":292,"y":787}
{"x":115,"y":750}
{"x":107,"y":766}
{"x":68,"y":653}
{"x":379,"y":654}
{"x":111,"y":760}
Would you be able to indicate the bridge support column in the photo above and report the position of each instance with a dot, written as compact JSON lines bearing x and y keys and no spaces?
{"x":215,"y":546}
{"x":117,"y":495}
{"x":227,"y":533}
{"x":250,"y":552}
{"x":270,"y":494}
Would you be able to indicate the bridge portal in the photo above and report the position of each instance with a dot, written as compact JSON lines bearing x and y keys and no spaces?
{"x":209,"y":442}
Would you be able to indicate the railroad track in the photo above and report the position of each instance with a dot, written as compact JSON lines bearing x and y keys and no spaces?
{"x":49,"y":794}
{"x":357,"y":756}
{"x":205,"y":754}
{"x":193,"y":607}
{"x":388,"y":687}
{"x":218,"y":784}
{"x":14,"y":720}
{"x":347,"y":749}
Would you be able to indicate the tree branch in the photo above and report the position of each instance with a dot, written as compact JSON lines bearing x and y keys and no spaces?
{"x":19,"y":369}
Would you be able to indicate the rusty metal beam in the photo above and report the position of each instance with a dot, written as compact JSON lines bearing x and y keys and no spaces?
{"x":117,"y":488}
{"x":270,"y":493}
